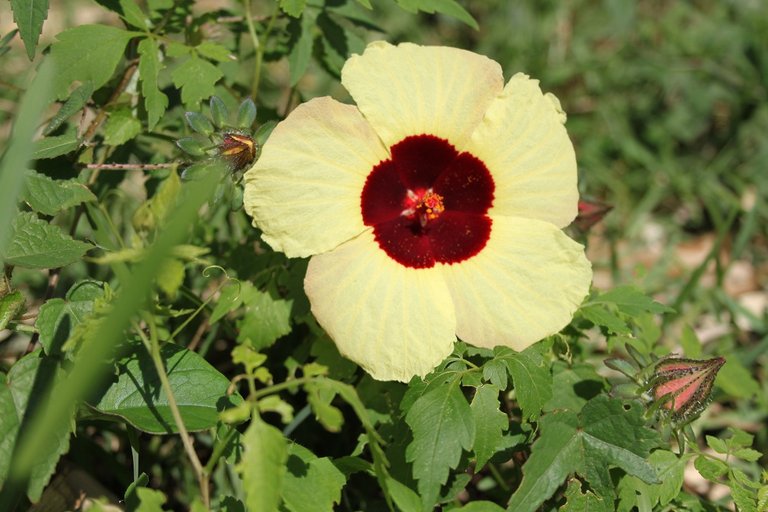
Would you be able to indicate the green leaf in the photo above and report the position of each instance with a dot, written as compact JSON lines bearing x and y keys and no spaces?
{"x":121,"y":126}
{"x":87,"y":53}
{"x":404,"y":497}
{"x":311,"y":484}
{"x":214,"y":51}
{"x":293,"y":7}
{"x":262,"y":467}
{"x":631,"y":301}
{"x":133,"y":14}
{"x":606,"y":433}
{"x":36,"y":244}
{"x":74,"y":104}
{"x":196,"y":78}
{"x":49,"y":196}
{"x":136,"y":396}
{"x":18,"y":152}
{"x":170,"y":277}
{"x":230,"y":299}
{"x":442,"y":426}
{"x":479,"y":506}
{"x":51,"y":147}
{"x":265,"y":319}
{"x":576,"y":501}
{"x":10,"y":306}
{"x":748,"y":454}
{"x":320,"y":396}
{"x":632,"y":491}
{"x":301,"y":32}
{"x":150,"y":500}
{"x":572,"y":387}
{"x":717,"y":444}
{"x":10,"y":419}
{"x":599,"y":315}
{"x":155,"y":101}
{"x":736,"y":380}
{"x":533,"y":382}
{"x":58,"y":318}
{"x":192,"y":146}
{"x":490,"y":423}
{"x":26,"y":388}
{"x":711,"y":469}
{"x":447,"y":7}
{"x":29,"y":16}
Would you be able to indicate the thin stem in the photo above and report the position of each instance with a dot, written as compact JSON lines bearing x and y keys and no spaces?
{"x":258,"y":45}
{"x":131,"y":167}
{"x":218,"y":451}
{"x":186,"y":439}
{"x":279,"y":387}
{"x":497,"y":476}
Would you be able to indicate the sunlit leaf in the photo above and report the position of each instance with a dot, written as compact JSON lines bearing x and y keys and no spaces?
{"x":262,"y":467}
{"x":49,"y":196}
{"x":311,"y":483}
{"x":490,"y":423}
{"x":29,"y":16}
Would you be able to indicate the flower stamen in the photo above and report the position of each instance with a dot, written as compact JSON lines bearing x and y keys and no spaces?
{"x":424,"y":204}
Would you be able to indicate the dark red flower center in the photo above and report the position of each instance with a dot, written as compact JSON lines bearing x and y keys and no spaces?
{"x":427,"y":203}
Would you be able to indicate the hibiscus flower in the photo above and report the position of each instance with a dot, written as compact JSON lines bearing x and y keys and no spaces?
{"x":432,"y":209}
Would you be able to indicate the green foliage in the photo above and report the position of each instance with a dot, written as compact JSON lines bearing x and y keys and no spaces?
{"x":164,"y":336}
{"x":606,"y":433}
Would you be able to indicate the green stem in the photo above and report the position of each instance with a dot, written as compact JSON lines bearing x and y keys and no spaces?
{"x":497,"y":476}
{"x":186,"y":439}
{"x":218,"y":451}
{"x":258,"y":45}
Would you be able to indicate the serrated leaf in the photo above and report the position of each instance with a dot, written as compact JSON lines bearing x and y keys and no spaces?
{"x":23,"y":390}
{"x":572,"y":387}
{"x":320,"y":397}
{"x":670,"y":468}
{"x":265,"y":319}
{"x":262,"y":467}
{"x":87,"y":53}
{"x":717,"y":444}
{"x":448,"y":7}
{"x":490,"y":423}
{"x":442,"y":426}
{"x":29,"y":16}
{"x":711,"y":469}
{"x":404,"y":497}
{"x":155,"y":101}
{"x":51,"y":147}
{"x":58,"y":318}
{"x":49,"y":196}
{"x":293,"y":8}
{"x":133,"y":14}
{"x":137,"y":396}
{"x":150,"y":500}
{"x":301,"y":48}
{"x":576,"y":501}
{"x":36,"y":244}
{"x":605,"y":433}
{"x":214,"y":51}
{"x":748,"y":454}
{"x":197,"y":79}
{"x":121,"y":126}
{"x":631,"y":301}
{"x":603,"y":317}
{"x":495,"y":371}
{"x":10,"y":306}
{"x":74,"y":104}
{"x":311,"y":483}
{"x":533,"y":383}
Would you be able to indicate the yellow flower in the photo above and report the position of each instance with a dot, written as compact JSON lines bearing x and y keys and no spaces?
{"x":432,"y":209}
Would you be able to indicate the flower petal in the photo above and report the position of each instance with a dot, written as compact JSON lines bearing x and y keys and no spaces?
{"x":395,"y":322}
{"x":524,"y":144}
{"x":411,"y":90}
{"x":524,"y":285}
{"x":304,"y":191}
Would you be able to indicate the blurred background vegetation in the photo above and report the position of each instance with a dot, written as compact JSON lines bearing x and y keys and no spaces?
{"x":667,"y":107}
